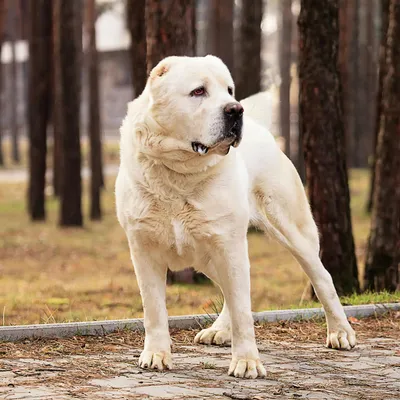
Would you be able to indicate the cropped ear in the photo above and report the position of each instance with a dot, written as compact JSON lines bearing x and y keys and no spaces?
{"x":162,"y":67}
{"x":159,"y":70}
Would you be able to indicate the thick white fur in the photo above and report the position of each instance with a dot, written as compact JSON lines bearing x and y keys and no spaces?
{"x":180,"y":208}
{"x":259,"y":107}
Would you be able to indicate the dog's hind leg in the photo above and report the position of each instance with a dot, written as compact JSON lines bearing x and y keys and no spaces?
{"x":284,"y":214}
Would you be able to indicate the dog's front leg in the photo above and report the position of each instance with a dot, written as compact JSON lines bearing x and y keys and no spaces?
{"x":151,"y":277}
{"x":234,"y":279}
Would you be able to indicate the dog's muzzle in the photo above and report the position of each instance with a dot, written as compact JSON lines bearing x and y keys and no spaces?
{"x":233,"y":116}
{"x":232,"y":133}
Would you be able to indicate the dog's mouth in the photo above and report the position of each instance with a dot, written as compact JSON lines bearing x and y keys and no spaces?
{"x":232,"y":138}
{"x":225,"y":144}
{"x":199,"y":148}
{"x":236,"y":131}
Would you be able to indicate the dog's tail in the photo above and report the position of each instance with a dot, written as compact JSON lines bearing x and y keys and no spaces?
{"x":259,"y":107}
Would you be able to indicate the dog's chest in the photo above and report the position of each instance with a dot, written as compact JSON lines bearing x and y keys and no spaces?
{"x":179,"y":224}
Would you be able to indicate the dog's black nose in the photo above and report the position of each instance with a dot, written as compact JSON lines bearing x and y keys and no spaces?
{"x":233,"y":110}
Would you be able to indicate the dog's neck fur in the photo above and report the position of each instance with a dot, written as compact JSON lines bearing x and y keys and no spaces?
{"x":154,"y":158}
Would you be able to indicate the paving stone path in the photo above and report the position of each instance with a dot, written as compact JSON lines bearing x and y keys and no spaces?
{"x":295,"y":370}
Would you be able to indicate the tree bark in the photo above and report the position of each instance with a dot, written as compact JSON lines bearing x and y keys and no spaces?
{"x":71,"y":66}
{"x":137,"y":29}
{"x":248,"y":72}
{"x":378,"y":103}
{"x":285,"y":62}
{"x":96,"y":165}
{"x":219,"y":41}
{"x":2,"y":14}
{"x":169,"y":30}
{"x":300,"y":166}
{"x":323,"y":138}
{"x":12,"y":8}
{"x":382,"y":269}
{"x":362,"y":133}
{"x":57,"y":98}
{"x":372,"y":72}
{"x":348,"y":51}
{"x":39,"y":92}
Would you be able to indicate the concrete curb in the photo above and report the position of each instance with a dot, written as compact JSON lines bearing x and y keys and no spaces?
{"x":100,"y":328}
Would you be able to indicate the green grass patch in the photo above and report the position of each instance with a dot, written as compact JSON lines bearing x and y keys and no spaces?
{"x":356,"y":300}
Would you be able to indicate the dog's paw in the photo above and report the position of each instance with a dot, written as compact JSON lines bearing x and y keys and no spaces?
{"x":342,"y":337}
{"x":221,"y":337}
{"x":247,"y":368}
{"x":160,"y":360}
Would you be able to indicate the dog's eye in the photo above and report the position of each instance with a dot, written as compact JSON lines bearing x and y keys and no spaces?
{"x":201,"y":91}
{"x":230,"y":90}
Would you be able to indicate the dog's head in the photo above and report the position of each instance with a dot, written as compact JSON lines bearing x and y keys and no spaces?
{"x":192,"y":100}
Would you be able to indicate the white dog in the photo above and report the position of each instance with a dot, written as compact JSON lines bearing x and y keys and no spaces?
{"x":185,"y":194}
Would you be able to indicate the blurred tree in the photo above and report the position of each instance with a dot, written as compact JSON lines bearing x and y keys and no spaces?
{"x":2,"y":14}
{"x":348,"y":50}
{"x":285,"y":62}
{"x":39,"y":93}
{"x":382,"y":269}
{"x":137,"y":29}
{"x":14,"y":33}
{"x":96,"y":164}
{"x":300,"y":165}
{"x":71,"y":67}
{"x":297,"y":152}
{"x":372,"y":70}
{"x":169,"y":30}
{"x":57,"y":98}
{"x":384,"y":12}
{"x":323,"y":136}
{"x":219,"y":41}
{"x":248,"y":72}
{"x":362,"y":139}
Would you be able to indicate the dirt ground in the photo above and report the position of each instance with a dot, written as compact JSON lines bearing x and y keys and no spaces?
{"x":298,"y":366}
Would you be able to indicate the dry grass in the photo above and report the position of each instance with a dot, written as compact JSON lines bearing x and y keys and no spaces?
{"x":386,"y":326}
{"x":49,"y":274}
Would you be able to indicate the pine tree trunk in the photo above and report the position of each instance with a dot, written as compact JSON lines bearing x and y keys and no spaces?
{"x":14,"y":77}
{"x":137,"y":28}
{"x":348,"y":51}
{"x":285,"y":62}
{"x":248,"y":72}
{"x":372,"y":73}
{"x":378,"y":103}
{"x":1,"y":106}
{"x":364,"y":127}
{"x":169,"y":30}
{"x":2,"y":19}
{"x":362,"y":144}
{"x":71,"y":67}
{"x":220,"y":31}
{"x":300,"y":166}
{"x":96,"y":165}
{"x":323,"y":138}
{"x":382,"y":269}
{"x":57,"y":100}
{"x":39,"y":92}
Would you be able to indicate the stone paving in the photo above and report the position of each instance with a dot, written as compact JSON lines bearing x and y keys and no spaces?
{"x":294,"y":370}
